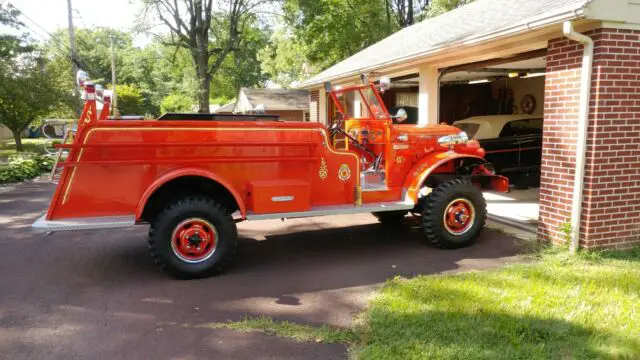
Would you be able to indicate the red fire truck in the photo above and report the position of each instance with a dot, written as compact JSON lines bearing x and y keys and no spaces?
{"x":191,"y":177}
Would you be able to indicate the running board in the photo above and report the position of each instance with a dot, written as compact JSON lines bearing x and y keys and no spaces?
{"x":91,"y":223}
{"x":336,"y":210}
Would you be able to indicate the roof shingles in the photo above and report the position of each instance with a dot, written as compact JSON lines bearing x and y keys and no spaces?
{"x":467,"y":22}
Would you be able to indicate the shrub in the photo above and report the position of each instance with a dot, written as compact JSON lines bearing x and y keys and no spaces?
{"x":130,"y":100}
{"x":25,"y":166}
{"x":176,"y":103}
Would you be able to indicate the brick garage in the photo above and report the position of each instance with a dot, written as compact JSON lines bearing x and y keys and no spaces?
{"x":611,"y":201}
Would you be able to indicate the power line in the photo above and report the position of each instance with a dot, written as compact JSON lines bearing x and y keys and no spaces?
{"x":60,"y":44}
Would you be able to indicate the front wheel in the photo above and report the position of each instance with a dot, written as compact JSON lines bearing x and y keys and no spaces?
{"x":454,"y":214}
{"x":193,"y":237}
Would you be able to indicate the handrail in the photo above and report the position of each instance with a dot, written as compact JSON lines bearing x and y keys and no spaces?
{"x":183,"y":144}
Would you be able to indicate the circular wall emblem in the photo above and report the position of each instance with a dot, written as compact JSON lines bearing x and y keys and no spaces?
{"x":344,"y":173}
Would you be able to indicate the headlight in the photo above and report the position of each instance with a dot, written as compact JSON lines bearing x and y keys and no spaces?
{"x":451,"y":140}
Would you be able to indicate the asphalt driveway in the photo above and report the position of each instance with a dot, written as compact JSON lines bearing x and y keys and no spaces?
{"x":98,"y":294}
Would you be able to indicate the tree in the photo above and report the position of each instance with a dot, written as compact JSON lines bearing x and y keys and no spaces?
{"x":242,"y":68}
{"x":439,"y":7}
{"x":130,"y":100}
{"x":176,"y":103}
{"x":209,"y":34}
{"x":405,"y":11}
{"x":26,"y":93}
{"x":333,"y":30}
{"x":284,"y":60}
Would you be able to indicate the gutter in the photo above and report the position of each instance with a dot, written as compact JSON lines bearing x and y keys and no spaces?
{"x":549,"y":19}
{"x":581,"y":142}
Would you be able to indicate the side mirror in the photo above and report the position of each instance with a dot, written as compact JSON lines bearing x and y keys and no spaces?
{"x":401,"y":115}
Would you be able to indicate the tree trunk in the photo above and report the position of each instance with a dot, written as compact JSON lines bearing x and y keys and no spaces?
{"x":388,"y":6}
{"x":201,"y":59}
{"x":17,"y":135}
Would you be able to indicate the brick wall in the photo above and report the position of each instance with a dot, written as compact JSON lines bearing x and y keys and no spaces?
{"x":611,"y":201}
{"x":288,"y":115}
{"x":314,"y":107}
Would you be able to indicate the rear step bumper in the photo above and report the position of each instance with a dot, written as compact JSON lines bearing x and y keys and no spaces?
{"x":104,"y":222}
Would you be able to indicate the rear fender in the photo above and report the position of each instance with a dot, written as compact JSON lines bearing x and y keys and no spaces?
{"x":427,"y":166}
{"x":187,"y":172}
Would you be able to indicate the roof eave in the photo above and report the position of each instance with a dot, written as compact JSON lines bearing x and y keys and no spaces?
{"x":549,"y":20}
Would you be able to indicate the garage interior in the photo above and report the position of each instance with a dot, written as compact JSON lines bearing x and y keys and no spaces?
{"x":513,"y":85}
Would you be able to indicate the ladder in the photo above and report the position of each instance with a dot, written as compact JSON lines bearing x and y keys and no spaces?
{"x":56,"y":171}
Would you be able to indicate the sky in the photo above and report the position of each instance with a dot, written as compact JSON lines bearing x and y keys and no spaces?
{"x":52,"y":14}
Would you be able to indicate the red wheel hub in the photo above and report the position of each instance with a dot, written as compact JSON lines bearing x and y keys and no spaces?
{"x":459,"y":216}
{"x":194,"y":240}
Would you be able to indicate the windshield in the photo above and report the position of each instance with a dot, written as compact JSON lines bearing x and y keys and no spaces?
{"x":360,"y":103}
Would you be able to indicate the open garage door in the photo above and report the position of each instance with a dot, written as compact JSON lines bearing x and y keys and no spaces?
{"x":500,"y":103}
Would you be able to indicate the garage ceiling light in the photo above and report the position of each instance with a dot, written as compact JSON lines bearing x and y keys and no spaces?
{"x":530,"y":75}
{"x":479,"y":81}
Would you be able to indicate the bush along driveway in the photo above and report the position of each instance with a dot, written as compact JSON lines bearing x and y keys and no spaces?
{"x":19,"y":166}
{"x":556,"y":307}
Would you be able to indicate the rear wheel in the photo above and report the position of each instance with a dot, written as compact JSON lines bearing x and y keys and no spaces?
{"x":390,"y":217}
{"x":454,"y":214}
{"x":193,"y":237}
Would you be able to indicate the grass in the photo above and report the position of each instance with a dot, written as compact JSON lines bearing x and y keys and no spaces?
{"x":286,"y":329}
{"x":556,"y":307}
{"x":8,"y":147}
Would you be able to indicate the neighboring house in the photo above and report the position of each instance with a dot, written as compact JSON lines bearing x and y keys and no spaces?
{"x":289,"y":105}
{"x":5,"y":133}
{"x":493,"y":57}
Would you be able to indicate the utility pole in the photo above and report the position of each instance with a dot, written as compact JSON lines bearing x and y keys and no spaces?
{"x":114,"y":96}
{"x":74,"y":57}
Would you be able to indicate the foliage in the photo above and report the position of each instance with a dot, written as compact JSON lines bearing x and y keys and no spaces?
{"x":439,"y":7}
{"x":25,"y":166}
{"x":176,"y":103}
{"x":561,"y":306}
{"x":133,"y":65}
{"x":242,"y":68}
{"x":283,"y":59}
{"x":26,"y":92}
{"x":209,"y":33}
{"x":297,"y":332}
{"x":405,"y":11}
{"x":130,"y":100}
{"x":336,"y":29}
{"x":37,"y":146}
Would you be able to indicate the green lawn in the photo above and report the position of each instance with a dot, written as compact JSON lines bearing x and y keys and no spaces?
{"x":8,"y":147}
{"x":559,"y":307}
{"x":556,"y":307}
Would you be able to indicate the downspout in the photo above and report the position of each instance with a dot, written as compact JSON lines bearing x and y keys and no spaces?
{"x":583,"y":118}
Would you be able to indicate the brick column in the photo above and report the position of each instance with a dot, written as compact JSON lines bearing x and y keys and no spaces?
{"x":611,"y":201}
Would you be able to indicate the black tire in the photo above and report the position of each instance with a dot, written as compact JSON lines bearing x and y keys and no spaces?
{"x":165,"y":250}
{"x":448,"y":194}
{"x":390,"y":217}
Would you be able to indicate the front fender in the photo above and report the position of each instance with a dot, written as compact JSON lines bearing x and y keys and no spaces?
{"x":425,"y":167}
{"x":174,"y":174}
